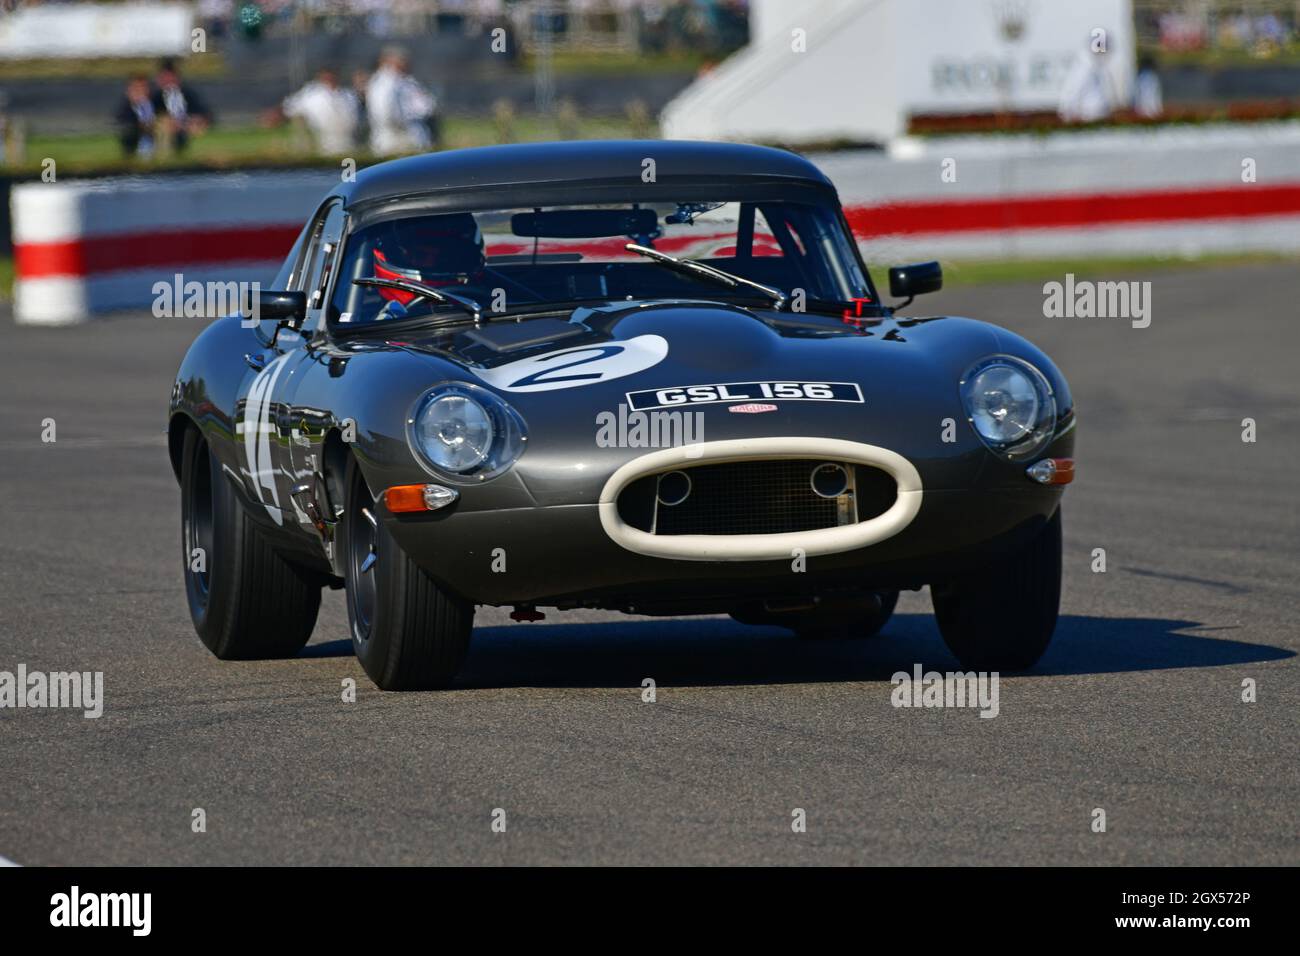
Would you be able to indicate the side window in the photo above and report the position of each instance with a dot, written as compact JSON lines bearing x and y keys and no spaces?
{"x":765,"y":241}
{"x":310,"y":243}
{"x":319,"y":262}
{"x":287,"y":277}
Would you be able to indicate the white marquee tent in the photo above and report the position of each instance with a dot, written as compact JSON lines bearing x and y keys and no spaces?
{"x":820,"y":70}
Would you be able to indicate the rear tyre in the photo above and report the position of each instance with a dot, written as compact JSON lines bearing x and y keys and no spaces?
{"x":245,"y":600}
{"x":407,"y":632}
{"x":1002,"y":618}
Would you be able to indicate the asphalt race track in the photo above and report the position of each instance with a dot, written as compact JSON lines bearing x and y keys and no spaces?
{"x":1136,"y":709}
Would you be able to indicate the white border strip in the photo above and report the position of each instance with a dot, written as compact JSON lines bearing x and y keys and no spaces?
{"x":731,"y":400}
{"x":760,"y":547}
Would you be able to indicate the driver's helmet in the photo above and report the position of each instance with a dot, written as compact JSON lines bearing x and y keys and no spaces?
{"x":432,"y":250}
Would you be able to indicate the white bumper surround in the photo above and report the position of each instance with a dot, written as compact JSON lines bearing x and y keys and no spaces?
{"x":760,"y":547}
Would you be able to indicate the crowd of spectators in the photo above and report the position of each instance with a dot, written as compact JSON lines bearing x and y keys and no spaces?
{"x":1261,"y":29}
{"x":1089,"y":94}
{"x":388,"y":111}
{"x":632,"y":24}
{"x":160,"y":115}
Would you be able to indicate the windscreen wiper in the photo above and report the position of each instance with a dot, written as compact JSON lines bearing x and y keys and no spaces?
{"x":422,"y":291}
{"x":692,"y":267}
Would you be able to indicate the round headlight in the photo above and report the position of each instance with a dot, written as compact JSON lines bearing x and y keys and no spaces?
{"x":455,"y":432}
{"x":1010,"y":405}
{"x":465,"y":430}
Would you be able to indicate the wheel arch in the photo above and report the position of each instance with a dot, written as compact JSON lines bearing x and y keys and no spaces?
{"x":334,"y":465}
{"x":177,"y":426}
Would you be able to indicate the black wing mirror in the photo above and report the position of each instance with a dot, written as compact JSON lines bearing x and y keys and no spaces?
{"x":289,"y":308}
{"x":915,"y":280}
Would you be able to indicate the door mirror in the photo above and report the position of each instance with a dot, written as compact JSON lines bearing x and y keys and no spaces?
{"x":287,"y":307}
{"x":915,"y":279}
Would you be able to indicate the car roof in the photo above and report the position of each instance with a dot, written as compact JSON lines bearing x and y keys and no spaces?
{"x":580,"y":163}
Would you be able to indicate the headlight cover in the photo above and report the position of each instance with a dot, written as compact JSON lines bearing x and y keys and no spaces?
{"x":1010,"y":405}
{"x":465,"y":431}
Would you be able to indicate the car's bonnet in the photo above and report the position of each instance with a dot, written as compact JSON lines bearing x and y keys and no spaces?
{"x":655,"y":344}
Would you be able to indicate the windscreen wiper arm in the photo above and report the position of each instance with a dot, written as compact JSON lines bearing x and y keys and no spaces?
{"x":422,"y":291}
{"x":691,"y":267}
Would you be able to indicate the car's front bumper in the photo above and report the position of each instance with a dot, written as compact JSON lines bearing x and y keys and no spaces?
{"x":563,"y":556}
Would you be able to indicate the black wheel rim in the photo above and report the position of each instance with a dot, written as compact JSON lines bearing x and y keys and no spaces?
{"x":199,"y":528}
{"x":363,"y":592}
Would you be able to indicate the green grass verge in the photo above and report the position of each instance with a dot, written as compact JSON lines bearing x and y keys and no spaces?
{"x":612,"y":61}
{"x":218,"y":147}
{"x":198,"y":66}
{"x":984,"y":272}
{"x":460,"y":131}
{"x":6,"y":278}
{"x":226,"y":147}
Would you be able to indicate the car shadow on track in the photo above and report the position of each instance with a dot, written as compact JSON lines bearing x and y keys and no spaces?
{"x":687,"y":652}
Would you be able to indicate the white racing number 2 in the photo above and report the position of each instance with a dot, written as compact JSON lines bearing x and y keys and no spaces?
{"x":572,"y":368}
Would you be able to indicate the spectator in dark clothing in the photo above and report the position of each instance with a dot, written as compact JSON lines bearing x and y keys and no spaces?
{"x":136,"y":118}
{"x":180,"y":109}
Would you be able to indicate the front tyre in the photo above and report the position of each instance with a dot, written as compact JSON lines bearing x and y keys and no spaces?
{"x":407,"y":632}
{"x":245,"y":600}
{"x":1002,"y":618}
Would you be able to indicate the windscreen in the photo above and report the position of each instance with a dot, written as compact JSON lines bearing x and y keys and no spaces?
{"x":531,"y":259}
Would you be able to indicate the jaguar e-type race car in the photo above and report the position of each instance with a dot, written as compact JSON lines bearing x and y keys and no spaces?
{"x":646,"y":376}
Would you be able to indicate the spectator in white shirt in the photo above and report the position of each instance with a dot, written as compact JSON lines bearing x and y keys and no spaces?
{"x":1088,"y":96}
{"x":330,"y":112}
{"x":399,"y":108}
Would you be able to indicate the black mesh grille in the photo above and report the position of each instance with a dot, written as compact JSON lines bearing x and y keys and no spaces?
{"x":749,"y":497}
{"x":753,"y":497}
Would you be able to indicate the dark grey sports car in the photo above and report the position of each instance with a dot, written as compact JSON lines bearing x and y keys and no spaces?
{"x":646,"y":376}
